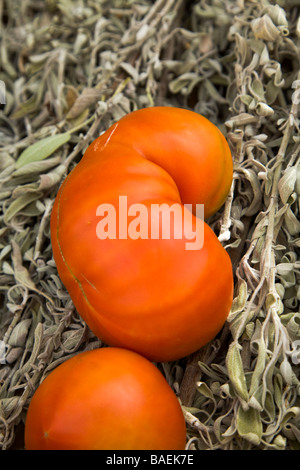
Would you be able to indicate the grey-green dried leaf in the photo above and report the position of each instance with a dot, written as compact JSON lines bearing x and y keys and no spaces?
{"x":259,"y":367}
{"x":291,"y":413}
{"x":260,"y":229}
{"x":87,"y":98}
{"x":205,"y":390}
{"x":286,"y":371}
{"x":50,"y":179}
{"x":249,"y":329}
{"x":37,"y":341}
{"x":292,"y":222}
{"x":213,"y":92}
{"x":39,"y":58}
{"x":241,"y":120}
{"x":236,"y":372}
{"x":256,"y":198}
{"x":284,"y":268}
{"x":80,"y":41}
{"x":19,"y":204}
{"x":277,"y":14}
{"x":26,"y":108}
{"x":37,"y":167}
{"x":271,"y":91}
{"x":288,"y":279}
{"x":7,"y":269}
{"x":280,"y":290}
{"x":239,"y":301}
{"x":14,"y":354}
{"x":264,"y":110}
{"x":13,"y":308}
{"x":72,"y":339}
{"x":258,"y":250}
{"x":21,"y":274}
{"x":293,"y":325}
{"x":249,"y":425}
{"x":271,"y":300}
{"x":247,"y":100}
{"x":227,"y":391}
{"x":6,"y":63}
{"x":269,"y":405}
{"x":279,"y":443}
{"x":34,"y":209}
{"x":6,"y":160}
{"x":297,"y":184}
{"x":8,"y":405}
{"x":261,"y":49}
{"x":4,"y":252}
{"x":132,"y":71}
{"x":189,"y":79}
{"x":287,"y":183}
{"x":230,"y":431}
{"x":19,"y":333}
{"x":234,"y":244}
{"x":255,"y":401}
{"x":264,"y":28}
{"x":298,"y":27}
{"x":256,"y":88}
{"x":42,"y":149}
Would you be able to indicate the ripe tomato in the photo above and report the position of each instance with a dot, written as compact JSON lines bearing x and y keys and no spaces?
{"x":105,"y":399}
{"x":148,"y":294}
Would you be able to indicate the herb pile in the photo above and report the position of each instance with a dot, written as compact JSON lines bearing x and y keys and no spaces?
{"x":71,"y":69}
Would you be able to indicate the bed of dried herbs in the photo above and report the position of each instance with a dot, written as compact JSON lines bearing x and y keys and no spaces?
{"x":71,"y":68}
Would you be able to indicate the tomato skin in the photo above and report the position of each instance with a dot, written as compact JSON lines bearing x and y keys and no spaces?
{"x":187,"y":145}
{"x":150,"y":296}
{"x":105,"y":399}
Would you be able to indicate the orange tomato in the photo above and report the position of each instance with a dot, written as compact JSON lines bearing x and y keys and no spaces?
{"x":151,"y":295}
{"x":105,"y":399}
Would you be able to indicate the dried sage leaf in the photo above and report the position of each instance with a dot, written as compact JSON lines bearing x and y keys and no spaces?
{"x":205,"y":390}
{"x":287,"y":183}
{"x":19,"y":333}
{"x":249,"y":425}
{"x":8,"y":405}
{"x":236,"y":371}
{"x":42,"y":149}
{"x":264,"y":28}
{"x":19,"y":204}
{"x":292,"y":222}
{"x":87,"y":98}
{"x":286,"y":371}
{"x":37,"y":167}
{"x":20,"y":272}
{"x":259,"y":367}
{"x":239,"y":302}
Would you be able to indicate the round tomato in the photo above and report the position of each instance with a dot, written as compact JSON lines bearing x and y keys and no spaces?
{"x":105,"y":399}
{"x":143,"y":271}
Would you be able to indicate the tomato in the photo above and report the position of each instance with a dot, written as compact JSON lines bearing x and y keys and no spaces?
{"x":149,"y":294}
{"x":105,"y":399}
